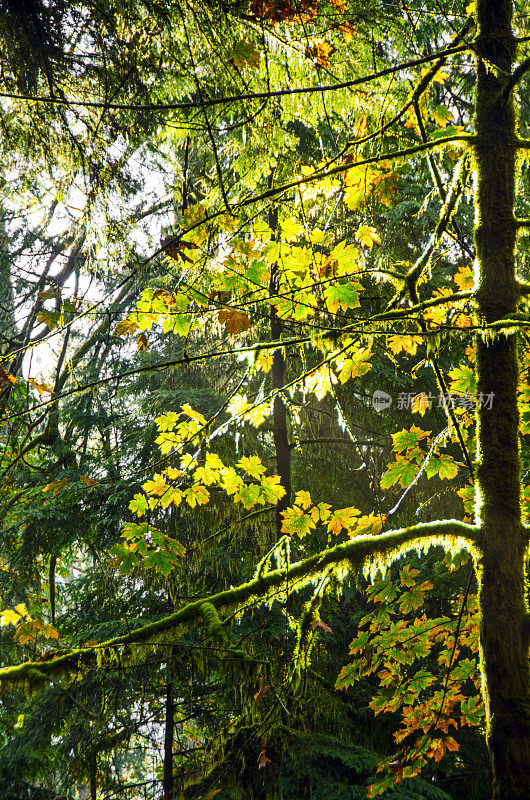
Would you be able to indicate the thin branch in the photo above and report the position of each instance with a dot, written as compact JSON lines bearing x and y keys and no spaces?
{"x":517,"y":74}
{"x":416,"y":93}
{"x":420,"y":473}
{"x":272,"y":193}
{"x":205,"y":114}
{"x":437,"y":180}
{"x":237,"y":98}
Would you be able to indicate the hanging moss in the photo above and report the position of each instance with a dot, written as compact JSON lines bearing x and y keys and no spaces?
{"x":374,"y":552}
{"x":213,"y":623}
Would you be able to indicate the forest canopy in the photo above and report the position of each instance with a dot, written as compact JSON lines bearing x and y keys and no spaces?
{"x":264,"y":399}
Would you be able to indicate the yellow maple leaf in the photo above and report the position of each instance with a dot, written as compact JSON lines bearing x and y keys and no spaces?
{"x":213,"y":461}
{"x":303,"y":499}
{"x":361,"y":127}
{"x":399,"y":342}
{"x":440,"y":76}
{"x":342,"y":518}
{"x":156,"y":486}
{"x":318,"y":382}
{"x":196,"y":415}
{"x":171,"y":495}
{"x":264,"y":361}
{"x":238,"y":405}
{"x":55,"y":487}
{"x":421,"y":403}
{"x":367,"y":235}
{"x":368,"y":524}
{"x":173,"y":473}
{"x":42,"y":388}
{"x":197,"y":495}
{"x":464,"y":279}
{"x":252,"y":465}
{"x":9,"y":617}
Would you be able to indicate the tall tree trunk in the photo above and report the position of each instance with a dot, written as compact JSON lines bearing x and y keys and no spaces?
{"x":51,"y":584}
{"x":93,"y":772}
{"x":169,"y":731}
{"x":504,"y":652}
{"x":168,"y":780}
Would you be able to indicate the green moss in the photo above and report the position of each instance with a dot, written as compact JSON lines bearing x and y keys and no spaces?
{"x":372,"y":552}
{"x":213,"y":623}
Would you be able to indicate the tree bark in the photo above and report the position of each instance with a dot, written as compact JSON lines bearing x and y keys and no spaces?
{"x":501,"y":569}
{"x":167,"y":780}
{"x":93,"y":769}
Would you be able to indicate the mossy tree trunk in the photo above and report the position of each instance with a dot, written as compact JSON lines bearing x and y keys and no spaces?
{"x":169,"y":735}
{"x":504,"y":652}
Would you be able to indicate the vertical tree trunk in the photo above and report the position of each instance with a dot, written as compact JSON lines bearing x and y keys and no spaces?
{"x":93,"y":768}
{"x":51,"y":585}
{"x":167,"y":780}
{"x":504,"y":653}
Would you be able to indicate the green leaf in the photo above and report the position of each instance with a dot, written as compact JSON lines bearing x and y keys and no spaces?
{"x":402,"y":472}
{"x":296,"y":522}
{"x":405,"y":439}
{"x":271,"y":489}
{"x":444,"y":466}
{"x":138,"y":504}
{"x":252,"y":465}
{"x":244,"y":54}
{"x":342,"y":295}
{"x":231,"y":481}
{"x":463,"y":380}
{"x":248,"y":495}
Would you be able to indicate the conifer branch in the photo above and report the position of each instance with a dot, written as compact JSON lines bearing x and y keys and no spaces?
{"x":63,"y":101}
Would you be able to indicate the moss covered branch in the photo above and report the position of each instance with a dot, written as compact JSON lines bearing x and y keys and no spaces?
{"x":368,"y":552}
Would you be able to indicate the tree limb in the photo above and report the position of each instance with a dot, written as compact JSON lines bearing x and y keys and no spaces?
{"x":358,"y":553}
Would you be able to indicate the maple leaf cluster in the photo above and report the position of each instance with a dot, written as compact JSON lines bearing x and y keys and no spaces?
{"x":284,"y":10}
{"x":320,"y":51}
{"x":399,"y":647}
{"x":174,"y":248}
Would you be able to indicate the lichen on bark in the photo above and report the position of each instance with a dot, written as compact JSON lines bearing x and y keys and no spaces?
{"x":503,"y":650}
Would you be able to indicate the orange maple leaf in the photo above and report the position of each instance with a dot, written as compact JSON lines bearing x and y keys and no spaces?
{"x":6,"y":377}
{"x":262,"y":691}
{"x":173,"y":247}
{"x":234,"y":321}
{"x":319,"y":51}
{"x":318,"y":623}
